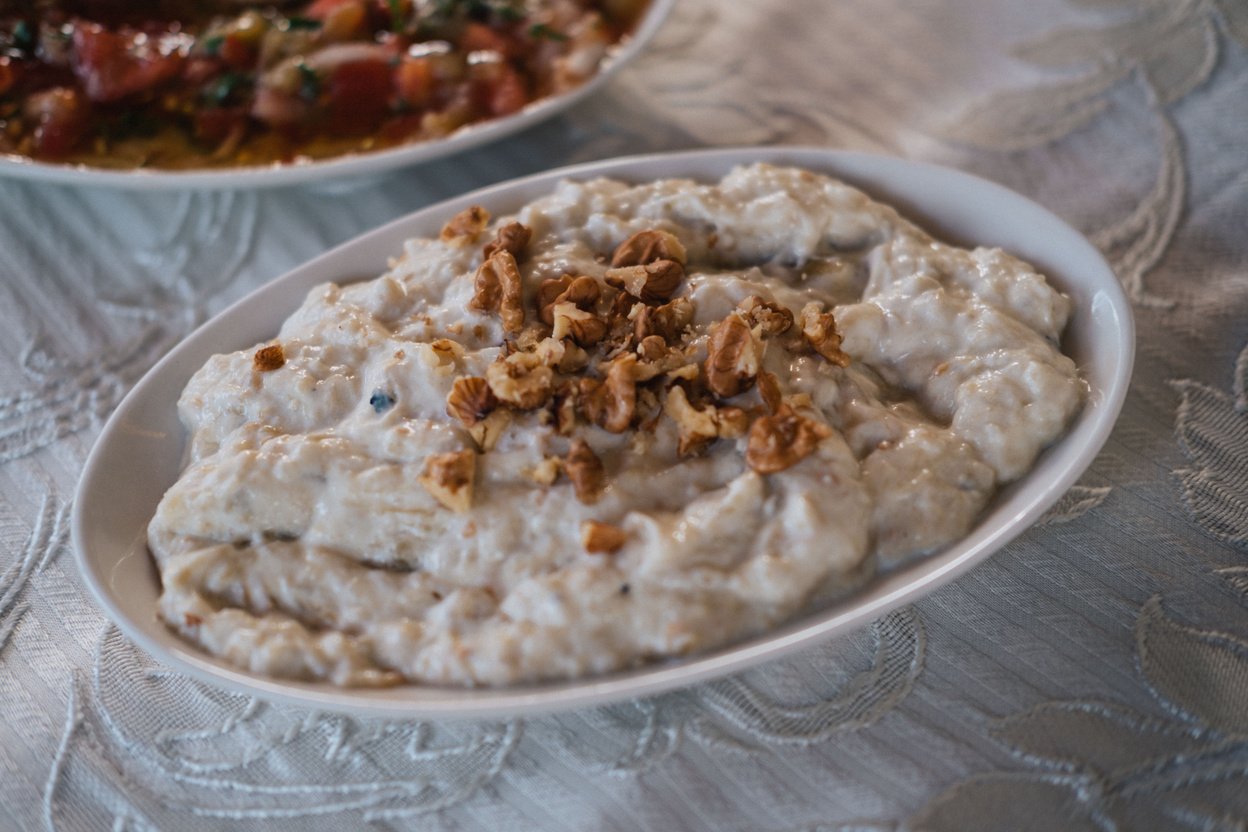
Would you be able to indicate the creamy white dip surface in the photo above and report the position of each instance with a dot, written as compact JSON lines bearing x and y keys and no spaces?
{"x":474,"y":471}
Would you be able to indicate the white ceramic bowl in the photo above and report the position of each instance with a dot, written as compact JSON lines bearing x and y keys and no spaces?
{"x":352,"y":164}
{"x":139,"y":452}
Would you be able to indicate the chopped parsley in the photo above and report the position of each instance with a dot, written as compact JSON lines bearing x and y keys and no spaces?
{"x":309,"y":83}
{"x":212,"y":45}
{"x":24,"y":36}
{"x":227,"y":87}
{"x":297,"y":22}
{"x":541,"y":30}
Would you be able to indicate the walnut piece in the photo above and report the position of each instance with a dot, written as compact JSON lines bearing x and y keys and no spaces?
{"x":610,"y":404}
{"x":521,"y":380}
{"x":772,"y":317}
{"x":585,"y":328}
{"x":699,"y":427}
{"x":666,"y":321}
{"x":546,"y":471}
{"x":582,"y":291}
{"x":769,"y":391}
{"x":819,"y":329}
{"x":487,"y":432}
{"x":653,"y":283}
{"x":470,"y":400}
{"x":652,"y":348}
{"x":269,"y":358}
{"x":602,"y":538}
{"x":448,"y":478}
{"x":512,"y":237}
{"x":547,"y":292}
{"x":465,"y":226}
{"x":498,"y":288}
{"x":647,"y":246}
{"x":585,"y":470}
{"x":782,"y":440}
{"x":733,"y":357}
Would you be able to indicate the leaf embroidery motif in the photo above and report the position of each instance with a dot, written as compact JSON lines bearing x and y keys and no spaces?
{"x":1107,"y":738}
{"x":1212,"y":432}
{"x":1075,"y":503}
{"x":1202,"y":673}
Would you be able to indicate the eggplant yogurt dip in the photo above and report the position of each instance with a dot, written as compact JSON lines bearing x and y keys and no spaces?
{"x":628,"y":422}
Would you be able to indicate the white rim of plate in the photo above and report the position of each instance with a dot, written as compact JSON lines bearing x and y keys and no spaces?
{"x":351,"y":164}
{"x":879,"y":596}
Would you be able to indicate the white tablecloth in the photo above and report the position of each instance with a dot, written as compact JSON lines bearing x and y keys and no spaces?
{"x":1093,"y":675}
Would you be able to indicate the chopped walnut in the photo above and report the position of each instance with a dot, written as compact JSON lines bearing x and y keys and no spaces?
{"x":769,"y":391}
{"x":653,"y":283}
{"x":448,"y":478}
{"x":688,"y":372}
{"x":546,"y":471}
{"x":733,"y":357}
{"x":669,"y":361}
{"x":666,"y":321}
{"x":547,"y":292}
{"x":498,"y":288}
{"x":652,"y":348}
{"x":582,"y":291}
{"x":602,"y":538}
{"x":647,"y":246}
{"x":521,"y":380}
{"x":732,"y":422}
{"x":443,"y":355}
{"x":487,"y":432}
{"x":269,"y":358}
{"x":819,"y":329}
{"x":446,"y":350}
{"x":782,"y":440}
{"x":512,"y":237}
{"x":574,"y":358}
{"x":470,"y":400}
{"x":550,"y":350}
{"x":772,"y":317}
{"x":585,"y":470}
{"x":610,"y":404}
{"x":585,"y":328}
{"x":701,"y":426}
{"x":565,"y":410}
{"x":697,"y":427}
{"x":466,"y":226}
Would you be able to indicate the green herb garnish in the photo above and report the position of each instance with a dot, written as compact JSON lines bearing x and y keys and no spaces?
{"x":297,"y":22}
{"x":541,"y":30}
{"x":309,"y":83}
{"x":24,"y":36}
{"x":221,"y":90}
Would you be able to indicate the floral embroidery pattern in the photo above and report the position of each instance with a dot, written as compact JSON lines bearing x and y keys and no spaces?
{"x":1167,"y":47}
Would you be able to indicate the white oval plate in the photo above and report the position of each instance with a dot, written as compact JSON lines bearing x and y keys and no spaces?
{"x":351,"y":164}
{"x":140,"y":451}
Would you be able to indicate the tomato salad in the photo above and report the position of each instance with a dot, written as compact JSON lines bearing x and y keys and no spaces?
{"x":181,"y":84}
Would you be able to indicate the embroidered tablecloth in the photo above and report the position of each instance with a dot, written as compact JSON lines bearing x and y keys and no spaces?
{"x":1092,"y":675}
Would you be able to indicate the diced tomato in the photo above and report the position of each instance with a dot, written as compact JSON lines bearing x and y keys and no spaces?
{"x":358,"y":94}
{"x":62,"y":119}
{"x":477,"y":37}
{"x":238,"y":52}
{"x":507,"y":93}
{"x":321,"y":9}
{"x":113,"y":65}
{"x":215,"y":124}
{"x":415,"y":81}
{"x":8,"y":75}
{"x":197,"y":70}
